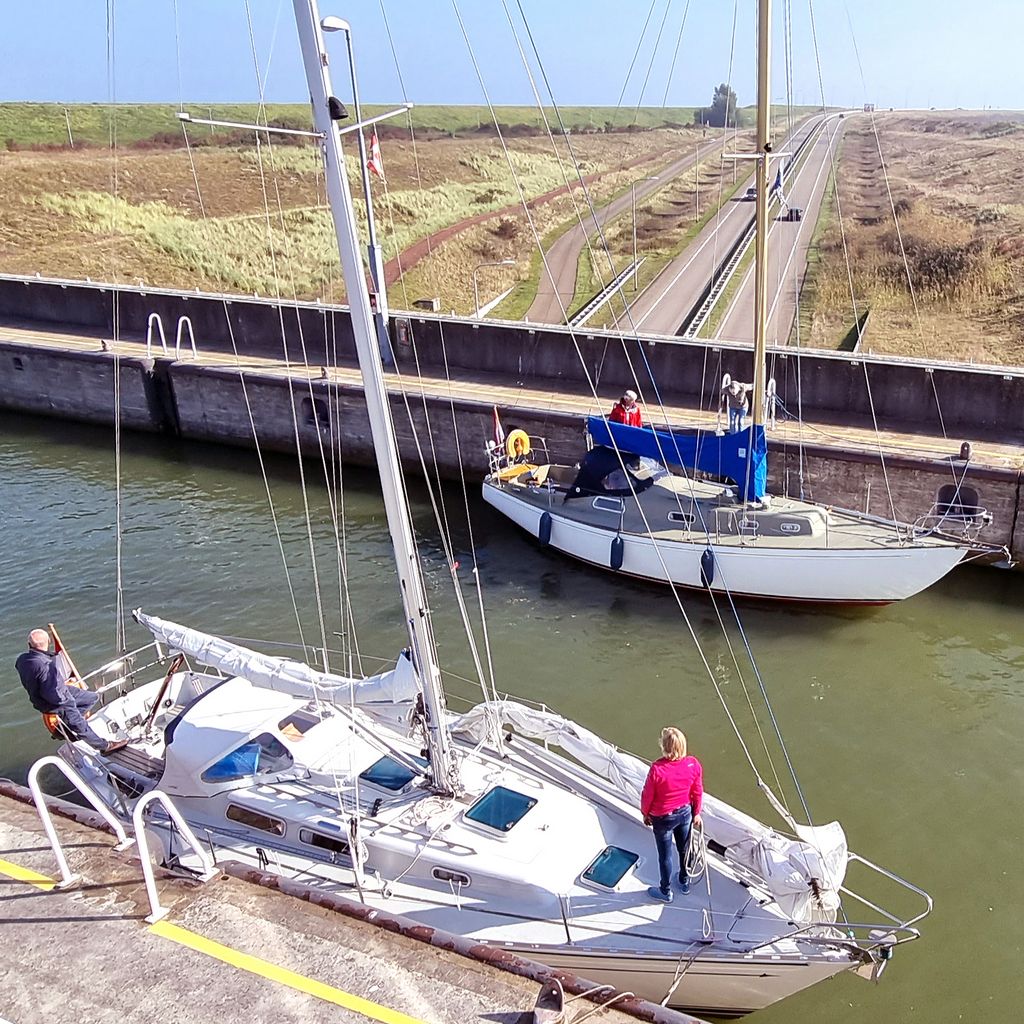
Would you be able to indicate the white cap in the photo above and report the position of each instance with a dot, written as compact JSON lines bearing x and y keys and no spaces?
{"x":630,"y":395}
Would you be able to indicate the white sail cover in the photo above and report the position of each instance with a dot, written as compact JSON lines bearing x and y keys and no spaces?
{"x":395,"y":686}
{"x":803,"y":875}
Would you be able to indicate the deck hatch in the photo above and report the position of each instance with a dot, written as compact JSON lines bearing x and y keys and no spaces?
{"x":500,"y":808}
{"x":389,"y":774}
{"x":609,"y":867}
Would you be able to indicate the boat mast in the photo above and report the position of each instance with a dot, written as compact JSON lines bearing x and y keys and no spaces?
{"x":764,"y":20}
{"x":443,"y":767}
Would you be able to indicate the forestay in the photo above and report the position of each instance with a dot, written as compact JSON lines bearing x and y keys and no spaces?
{"x":294,"y":677}
{"x":803,"y":875}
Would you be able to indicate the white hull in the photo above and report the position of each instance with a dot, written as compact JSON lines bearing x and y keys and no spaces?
{"x":713,"y":982}
{"x":868,"y":575}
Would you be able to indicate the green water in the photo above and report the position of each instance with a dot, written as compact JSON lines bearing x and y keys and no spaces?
{"x":906,"y":723}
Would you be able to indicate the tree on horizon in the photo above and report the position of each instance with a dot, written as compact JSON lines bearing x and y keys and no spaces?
{"x":722,"y":111}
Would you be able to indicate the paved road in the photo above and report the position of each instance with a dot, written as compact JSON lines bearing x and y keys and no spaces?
{"x":663,"y":305}
{"x":558,"y":282}
{"x":788,"y":243}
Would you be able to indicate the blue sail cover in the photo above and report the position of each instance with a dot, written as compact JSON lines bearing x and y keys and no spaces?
{"x":741,"y":457}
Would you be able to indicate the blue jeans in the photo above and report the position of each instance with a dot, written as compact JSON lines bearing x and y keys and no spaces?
{"x":736,"y":420}
{"x":71,"y":714}
{"x":667,"y":827}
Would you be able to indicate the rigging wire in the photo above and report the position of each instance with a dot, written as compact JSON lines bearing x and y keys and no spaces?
{"x":629,"y":362}
{"x":589,"y":378}
{"x":436,"y":495}
{"x":895,"y":219}
{"x":636,"y":52}
{"x":245,"y":395}
{"x":120,"y":643}
{"x":675,"y":54}
{"x":650,"y":63}
{"x":849,"y":278}
{"x":261,"y":113}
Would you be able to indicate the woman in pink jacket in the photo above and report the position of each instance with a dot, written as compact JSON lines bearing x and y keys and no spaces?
{"x":670,"y":804}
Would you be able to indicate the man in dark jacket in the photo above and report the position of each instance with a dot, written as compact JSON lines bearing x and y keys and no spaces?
{"x":49,"y":693}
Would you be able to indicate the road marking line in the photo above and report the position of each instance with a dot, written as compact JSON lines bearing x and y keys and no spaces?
{"x":255,"y":965}
{"x":20,"y":874}
{"x":238,"y":959}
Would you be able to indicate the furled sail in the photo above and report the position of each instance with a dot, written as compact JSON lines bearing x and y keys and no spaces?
{"x":394,"y":686}
{"x":803,"y":875}
{"x":742,"y":457}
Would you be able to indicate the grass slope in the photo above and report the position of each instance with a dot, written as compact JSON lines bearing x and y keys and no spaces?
{"x":43,"y":124}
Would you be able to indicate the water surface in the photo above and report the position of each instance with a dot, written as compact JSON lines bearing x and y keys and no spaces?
{"x":905,"y":723}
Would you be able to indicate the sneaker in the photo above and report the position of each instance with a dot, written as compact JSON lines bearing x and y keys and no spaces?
{"x":656,"y":894}
{"x":110,"y":748}
{"x":683,"y":885}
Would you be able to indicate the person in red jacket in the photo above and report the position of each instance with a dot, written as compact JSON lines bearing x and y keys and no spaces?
{"x":670,"y":803}
{"x":627,"y":411}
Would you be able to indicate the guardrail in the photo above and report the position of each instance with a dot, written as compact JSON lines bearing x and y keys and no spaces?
{"x":605,"y":294}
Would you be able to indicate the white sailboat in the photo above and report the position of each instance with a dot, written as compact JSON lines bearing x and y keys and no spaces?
{"x":617,"y":510}
{"x":371,"y":789}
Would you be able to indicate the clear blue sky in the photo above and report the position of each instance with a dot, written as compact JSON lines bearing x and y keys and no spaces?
{"x":913,"y":52}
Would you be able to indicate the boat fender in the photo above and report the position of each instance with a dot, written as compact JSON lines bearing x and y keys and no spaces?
{"x":544,"y":529}
{"x":707,"y":568}
{"x":618,"y":547}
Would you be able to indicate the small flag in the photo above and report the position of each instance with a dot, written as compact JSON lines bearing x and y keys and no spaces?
{"x":374,"y":163}
{"x":499,"y":433}
{"x":777,"y":187}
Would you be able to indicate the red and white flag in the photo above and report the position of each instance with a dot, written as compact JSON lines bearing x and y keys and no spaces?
{"x":374,"y":163}
{"x":499,"y":433}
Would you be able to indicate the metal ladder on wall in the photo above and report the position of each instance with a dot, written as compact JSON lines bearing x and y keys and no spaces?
{"x":69,"y":878}
{"x":184,"y":323}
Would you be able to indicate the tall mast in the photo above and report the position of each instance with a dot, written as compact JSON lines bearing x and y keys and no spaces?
{"x":764,"y":24}
{"x":444,"y":769}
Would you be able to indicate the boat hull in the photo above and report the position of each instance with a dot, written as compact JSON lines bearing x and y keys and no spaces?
{"x":878,"y":574}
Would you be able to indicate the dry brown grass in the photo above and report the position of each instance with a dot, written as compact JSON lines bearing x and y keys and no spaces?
{"x":60,"y":217}
{"x":954,"y":289}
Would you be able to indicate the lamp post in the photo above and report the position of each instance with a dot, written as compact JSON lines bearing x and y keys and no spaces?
{"x":632,"y":189}
{"x":476,"y":290}
{"x":380,"y":315}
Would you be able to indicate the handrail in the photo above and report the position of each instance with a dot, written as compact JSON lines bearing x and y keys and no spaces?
{"x":157,"y":912}
{"x":154,"y":318}
{"x":184,"y":321}
{"x":67,"y":877}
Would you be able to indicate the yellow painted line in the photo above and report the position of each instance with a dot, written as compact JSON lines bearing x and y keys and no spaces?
{"x":243,"y":961}
{"x":20,"y":874}
{"x":282,"y":975}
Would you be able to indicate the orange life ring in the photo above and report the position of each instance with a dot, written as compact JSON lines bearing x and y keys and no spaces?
{"x":517,"y":444}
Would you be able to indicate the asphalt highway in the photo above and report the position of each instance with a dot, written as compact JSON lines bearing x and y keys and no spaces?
{"x":788,"y":242}
{"x":667,"y":301}
{"x":558,"y":281}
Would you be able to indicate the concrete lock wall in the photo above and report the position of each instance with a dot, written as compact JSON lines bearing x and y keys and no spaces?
{"x":80,"y":386}
{"x":974,"y":402}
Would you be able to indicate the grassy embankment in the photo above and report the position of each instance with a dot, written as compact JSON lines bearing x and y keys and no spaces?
{"x":41,"y":124}
{"x":66,"y":215}
{"x":945,"y":277}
